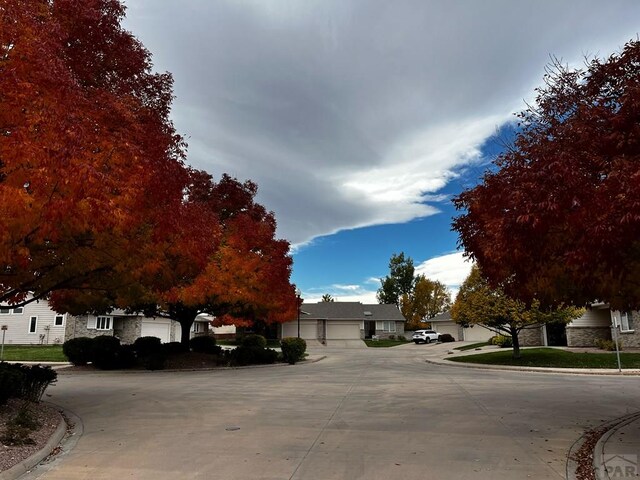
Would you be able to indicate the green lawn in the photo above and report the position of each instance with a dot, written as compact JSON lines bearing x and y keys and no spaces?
{"x":385,"y":343}
{"x":472,"y":346}
{"x":34,"y":353}
{"x":552,"y":357}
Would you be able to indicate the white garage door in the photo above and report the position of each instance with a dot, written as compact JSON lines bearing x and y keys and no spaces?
{"x":340,"y":330}
{"x":477,"y":333}
{"x":157,"y":328}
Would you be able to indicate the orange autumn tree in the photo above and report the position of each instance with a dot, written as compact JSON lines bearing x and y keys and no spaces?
{"x":243,"y":277}
{"x":89,"y":160}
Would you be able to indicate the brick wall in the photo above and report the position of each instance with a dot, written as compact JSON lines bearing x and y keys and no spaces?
{"x":586,"y":336}
{"x":531,"y":337}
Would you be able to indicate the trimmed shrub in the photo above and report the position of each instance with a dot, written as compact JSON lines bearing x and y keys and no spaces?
{"x":609,"y":345}
{"x":293,"y":349}
{"x":392,"y":337}
{"x":24,"y":381}
{"x":127,"y":356}
{"x":11,"y":380}
{"x":172,"y":348}
{"x":155,"y":361}
{"x":105,"y":352}
{"x":253,"y":356}
{"x":447,"y":337}
{"x":253,"y":340}
{"x":204,"y":344}
{"x":78,"y":350}
{"x":402,"y":338}
{"x":503,"y":341}
{"x":145,"y":346}
{"x":36,"y":380}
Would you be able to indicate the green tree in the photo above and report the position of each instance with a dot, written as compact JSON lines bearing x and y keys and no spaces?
{"x":428,"y":298}
{"x":400,"y":280}
{"x":327,"y":298}
{"x":478,"y":303}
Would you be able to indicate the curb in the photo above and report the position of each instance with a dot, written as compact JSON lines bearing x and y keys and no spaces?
{"x":515,"y":368}
{"x":598,"y":451}
{"x":28,"y":463}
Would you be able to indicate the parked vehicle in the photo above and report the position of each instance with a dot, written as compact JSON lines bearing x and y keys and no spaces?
{"x":425,"y":336}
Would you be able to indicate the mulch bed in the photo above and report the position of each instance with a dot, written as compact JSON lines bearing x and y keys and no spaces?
{"x":47,"y":416}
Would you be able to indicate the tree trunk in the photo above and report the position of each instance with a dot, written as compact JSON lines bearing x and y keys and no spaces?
{"x":185,"y":329}
{"x":516,"y":343}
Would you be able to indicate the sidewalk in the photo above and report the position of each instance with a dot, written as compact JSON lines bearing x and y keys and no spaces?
{"x":617,"y":453}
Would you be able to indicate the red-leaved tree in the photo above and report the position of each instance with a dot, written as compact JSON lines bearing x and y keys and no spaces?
{"x":559,"y":220}
{"x":89,"y":160}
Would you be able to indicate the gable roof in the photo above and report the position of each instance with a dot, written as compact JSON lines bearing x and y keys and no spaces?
{"x":350,"y":311}
{"x":442,"y":317}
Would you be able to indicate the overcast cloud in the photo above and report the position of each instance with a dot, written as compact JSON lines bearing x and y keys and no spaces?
{"x":354,"y":113}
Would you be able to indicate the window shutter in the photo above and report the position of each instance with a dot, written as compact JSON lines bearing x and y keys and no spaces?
{"x":91,"y":323}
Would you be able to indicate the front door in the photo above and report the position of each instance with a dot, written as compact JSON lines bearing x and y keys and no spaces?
{"x":556,"y":334}
{"x":370,"y":329}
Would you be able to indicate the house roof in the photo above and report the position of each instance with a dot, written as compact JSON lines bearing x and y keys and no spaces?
{"x":350,"y":311}
{"x":442,"y":317}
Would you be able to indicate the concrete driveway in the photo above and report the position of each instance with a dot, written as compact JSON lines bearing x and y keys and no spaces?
{"x":375,"y":414}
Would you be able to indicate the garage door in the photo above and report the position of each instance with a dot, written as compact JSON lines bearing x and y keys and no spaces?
{"x":158,"y":328}
{"x":453,"y":330}
{"x":337,"y":330}
{"x":477,"y":333}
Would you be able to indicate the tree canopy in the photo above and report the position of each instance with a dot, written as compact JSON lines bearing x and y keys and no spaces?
{"x":98,"y":208}
{"x":89,"y":160}
{"x":478,"y":303}
{"x":327,"y":298}
{"x":428,"y":298}
{"x":400,"y":280}
{"x":559,"y":221}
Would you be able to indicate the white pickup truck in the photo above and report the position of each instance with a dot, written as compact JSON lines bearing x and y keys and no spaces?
{"x":425,"y":336}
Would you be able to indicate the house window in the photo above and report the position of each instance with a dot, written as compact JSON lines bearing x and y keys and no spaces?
{"x":386,"y":326}
{"x":626,"y":322}
{"x":197,"y":328}
{"x":59,"y":320}
{"x":33,"y":324}
{"x":7,"y":311}
{"x":103,"y":323}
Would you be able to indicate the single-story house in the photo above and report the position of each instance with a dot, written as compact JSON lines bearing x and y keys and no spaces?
{"x":598,"y":322}
{"x":344,"y":323}
{"x":443,"y":323}
{"x":37,"y":324}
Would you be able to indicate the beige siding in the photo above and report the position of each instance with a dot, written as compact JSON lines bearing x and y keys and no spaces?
{"x":596,"y":317}
{"x":47,"y":332}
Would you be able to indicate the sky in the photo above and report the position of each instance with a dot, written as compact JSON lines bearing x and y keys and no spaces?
{"x":360,"y":119}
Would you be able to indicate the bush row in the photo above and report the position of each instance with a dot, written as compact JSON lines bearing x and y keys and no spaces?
{"x":106,"y":353}
{"x":24,"y":381}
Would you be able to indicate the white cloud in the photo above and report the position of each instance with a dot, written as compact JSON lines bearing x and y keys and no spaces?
{"x":450,"y":269}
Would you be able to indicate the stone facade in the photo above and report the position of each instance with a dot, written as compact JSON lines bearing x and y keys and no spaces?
{"x":382,"y":334}
{"x":77,"y":327}
{"x":586,"y":336}
{"x":531,"y":337}
{"x":631,"y":339}
{"x":127,"y":329}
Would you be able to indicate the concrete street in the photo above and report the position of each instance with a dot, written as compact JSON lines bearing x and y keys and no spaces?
{"x":360,"y":413}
